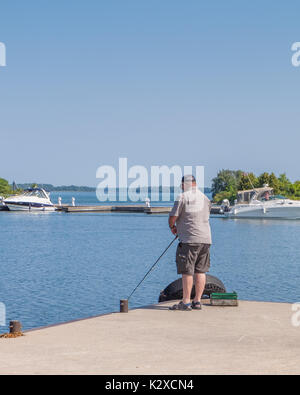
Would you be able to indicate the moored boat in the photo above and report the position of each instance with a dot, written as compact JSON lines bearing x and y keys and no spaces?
{"x":34,"y":199}
{"x":262,"y":203}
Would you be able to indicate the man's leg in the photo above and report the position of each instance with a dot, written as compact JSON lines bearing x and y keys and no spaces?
{"x":201,"y":268}
{"x":200,"y":281}
{"x":187,"y":286}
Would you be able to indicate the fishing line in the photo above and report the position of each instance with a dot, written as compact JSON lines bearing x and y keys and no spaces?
{"x":150,"y":270}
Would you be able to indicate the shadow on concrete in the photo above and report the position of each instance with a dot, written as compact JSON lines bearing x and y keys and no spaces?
{"x":166,"y":307}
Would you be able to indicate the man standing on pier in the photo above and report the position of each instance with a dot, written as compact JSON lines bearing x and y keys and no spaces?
{"x":189,"y":219}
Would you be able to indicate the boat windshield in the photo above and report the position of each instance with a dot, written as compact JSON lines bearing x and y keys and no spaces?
{"x":277,"y":197}
{"x":257,"y":194}
{"x":36,"y":193}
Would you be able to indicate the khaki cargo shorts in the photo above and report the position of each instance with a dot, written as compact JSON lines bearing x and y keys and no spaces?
{"x":193,"y":258}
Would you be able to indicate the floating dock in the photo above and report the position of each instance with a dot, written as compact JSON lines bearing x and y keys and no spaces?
{"x":123,"y":209}
{"x":254,"y":338}
{"x":131,"y":208}
{"x":114,"y":209}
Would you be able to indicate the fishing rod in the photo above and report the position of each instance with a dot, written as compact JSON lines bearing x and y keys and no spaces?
{"x":150,"y":270}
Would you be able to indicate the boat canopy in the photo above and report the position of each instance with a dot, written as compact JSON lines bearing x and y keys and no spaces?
{"x":257,"y":193}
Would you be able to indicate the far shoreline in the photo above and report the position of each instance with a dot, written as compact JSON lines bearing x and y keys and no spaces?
{"x":74,"y":188}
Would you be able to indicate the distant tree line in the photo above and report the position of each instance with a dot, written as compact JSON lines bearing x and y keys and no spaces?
{"x":229,"y":182}
{"x":63,"y":188}
{"x":7,"y":189}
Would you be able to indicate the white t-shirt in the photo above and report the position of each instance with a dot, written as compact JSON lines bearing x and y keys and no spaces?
{"x":192,"y":208}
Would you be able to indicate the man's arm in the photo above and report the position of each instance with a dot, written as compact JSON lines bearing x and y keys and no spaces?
{"x":172,"y":224}
{"x":175,"y":213}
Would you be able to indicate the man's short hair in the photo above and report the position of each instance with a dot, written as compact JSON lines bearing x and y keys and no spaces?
{"x":188,"y":179}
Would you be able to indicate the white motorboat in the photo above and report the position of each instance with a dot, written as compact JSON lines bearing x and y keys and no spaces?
{"x":262,"y":203}
{"x":34,"y":199}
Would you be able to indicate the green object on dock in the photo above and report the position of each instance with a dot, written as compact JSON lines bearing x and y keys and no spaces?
{"x":226,"y":296}
{"x":224,"y":299}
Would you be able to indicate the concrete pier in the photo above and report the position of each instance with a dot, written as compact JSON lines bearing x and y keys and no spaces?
{"x":254,"y":338}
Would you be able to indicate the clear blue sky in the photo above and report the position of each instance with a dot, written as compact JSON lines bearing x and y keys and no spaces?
{"x":160,"y":82}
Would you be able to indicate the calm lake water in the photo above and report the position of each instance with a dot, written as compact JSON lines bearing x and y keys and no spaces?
{"x":57,"y":267}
